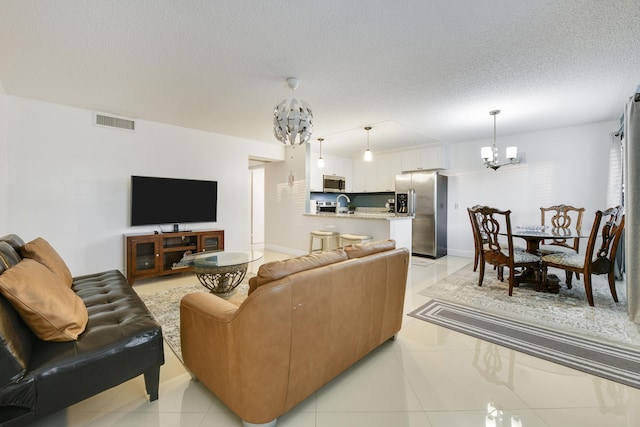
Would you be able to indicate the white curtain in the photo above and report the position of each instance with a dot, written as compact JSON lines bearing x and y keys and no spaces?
{"x":632,"y":205}
{"x":614,"y":185}
{"x":615,"y":193}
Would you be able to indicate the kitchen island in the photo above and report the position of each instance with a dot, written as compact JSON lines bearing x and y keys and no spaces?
{"x":379,"y":226}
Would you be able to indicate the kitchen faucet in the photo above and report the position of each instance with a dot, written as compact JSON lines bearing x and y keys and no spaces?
{"x":338,"y":209}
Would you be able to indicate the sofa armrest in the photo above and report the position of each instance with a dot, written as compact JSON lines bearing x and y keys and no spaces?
{"x":240,"y":353}
{"x":209,"y":305}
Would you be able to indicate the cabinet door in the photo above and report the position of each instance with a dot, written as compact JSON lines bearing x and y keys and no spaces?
{"x":434,"y":157}
{"x":364,"y":176}
{"x":357,"y":183}
{"x":213,"y":241}
{"x":410,"y":160}
{"x":144,"y":256}
{"x":387,"y":167}
{"x":315,"y":173}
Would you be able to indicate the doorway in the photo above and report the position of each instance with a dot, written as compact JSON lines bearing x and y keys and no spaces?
{"x":257,"y":205}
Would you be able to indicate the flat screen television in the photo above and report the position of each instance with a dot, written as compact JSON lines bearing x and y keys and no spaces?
{"x":156,"y":201}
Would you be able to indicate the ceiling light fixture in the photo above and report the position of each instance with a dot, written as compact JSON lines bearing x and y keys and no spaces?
{"x":368,"y":156}
{"x":320,"y":159}
{"x":293,"y":120}
{"x":490,"y":154}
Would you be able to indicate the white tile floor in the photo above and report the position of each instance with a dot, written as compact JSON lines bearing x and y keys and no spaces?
{"x":429,"y":377}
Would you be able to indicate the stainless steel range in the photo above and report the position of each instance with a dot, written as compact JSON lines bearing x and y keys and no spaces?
{"x":326,"y":206}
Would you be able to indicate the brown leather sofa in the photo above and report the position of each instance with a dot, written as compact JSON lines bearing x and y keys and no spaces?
{"x":120,"y":341}
{"x":305,"y":321}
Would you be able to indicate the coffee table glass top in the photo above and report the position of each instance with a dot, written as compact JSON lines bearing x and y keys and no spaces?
{"x":220,"y":258}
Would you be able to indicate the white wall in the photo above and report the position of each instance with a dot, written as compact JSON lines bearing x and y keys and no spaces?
{"x":70,"y":180}
{"x":285,"y":202}
{"x":257,"y":205}
{"x":567,"y":165}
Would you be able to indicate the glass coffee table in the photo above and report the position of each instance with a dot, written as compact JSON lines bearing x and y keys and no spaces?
{"x":219,"y":271}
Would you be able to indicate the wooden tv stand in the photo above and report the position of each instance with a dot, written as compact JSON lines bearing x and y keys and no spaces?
{"x":153,"y":255}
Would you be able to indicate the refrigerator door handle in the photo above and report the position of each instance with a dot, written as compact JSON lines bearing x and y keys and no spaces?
{"x":411,"y":202}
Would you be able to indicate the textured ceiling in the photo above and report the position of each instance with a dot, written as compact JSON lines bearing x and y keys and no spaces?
{"x":429,"y":69}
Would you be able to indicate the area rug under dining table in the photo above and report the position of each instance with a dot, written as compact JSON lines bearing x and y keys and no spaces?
{"x":561,"y":328}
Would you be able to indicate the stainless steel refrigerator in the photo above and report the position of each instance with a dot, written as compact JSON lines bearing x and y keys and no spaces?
{"x":424,"y":195}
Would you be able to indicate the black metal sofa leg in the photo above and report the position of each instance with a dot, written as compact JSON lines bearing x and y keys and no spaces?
{"x":152,"y":382}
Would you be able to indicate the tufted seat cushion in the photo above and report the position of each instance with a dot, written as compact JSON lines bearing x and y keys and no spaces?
{"x":572,"y":260}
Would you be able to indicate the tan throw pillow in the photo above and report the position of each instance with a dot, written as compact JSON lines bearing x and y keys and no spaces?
{"x":365,"y":249}
{"x":47,"y":305}
{"x":41,"y":251}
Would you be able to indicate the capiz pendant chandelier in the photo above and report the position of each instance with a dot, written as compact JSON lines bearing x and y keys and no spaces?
{"x":292,"y":120}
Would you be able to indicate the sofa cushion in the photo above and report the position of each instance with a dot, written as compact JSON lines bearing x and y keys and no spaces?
{"x":41,"y":251}
{"x":46,"y":304}
{"x":278,"y":269}
{"x":364,"y":249}
{"x":8,"y":256}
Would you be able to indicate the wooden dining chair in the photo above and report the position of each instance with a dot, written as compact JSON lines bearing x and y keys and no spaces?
{"x":561,"y":219}
{"x":600,"y":261}
{"x":498,"y":250}
{"x":478,"y":238}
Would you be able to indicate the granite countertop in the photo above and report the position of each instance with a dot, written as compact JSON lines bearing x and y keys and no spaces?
{"x":389,"y":216}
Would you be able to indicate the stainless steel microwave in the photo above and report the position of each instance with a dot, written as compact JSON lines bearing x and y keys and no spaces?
{"x":333,"y":184}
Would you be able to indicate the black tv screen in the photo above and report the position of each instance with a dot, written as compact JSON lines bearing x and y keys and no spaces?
{"x":157,"y":200}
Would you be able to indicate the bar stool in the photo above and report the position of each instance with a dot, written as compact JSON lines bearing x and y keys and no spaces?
{"x":352,"y":239}
{"x":325,"y":237}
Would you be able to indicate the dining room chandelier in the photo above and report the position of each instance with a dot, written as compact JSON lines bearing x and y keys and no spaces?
{"x":292,"y":120}
{"x":490,"y":154}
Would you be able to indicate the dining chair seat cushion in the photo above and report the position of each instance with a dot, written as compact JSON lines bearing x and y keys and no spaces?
{"x":555,"y":249}
{"x":520,"y":257}
{"x":570,"y":260}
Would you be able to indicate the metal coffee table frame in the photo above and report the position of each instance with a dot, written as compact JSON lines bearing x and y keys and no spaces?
{"x":220,"y":280}
{"x":219,"y":271}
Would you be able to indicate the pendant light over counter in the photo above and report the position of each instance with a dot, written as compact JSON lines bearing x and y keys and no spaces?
{"x":368,"y":156}
{"x":320,"y":159}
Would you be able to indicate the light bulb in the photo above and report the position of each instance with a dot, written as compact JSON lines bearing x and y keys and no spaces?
{"x":368,"y":156}
{"x":486,"y":154}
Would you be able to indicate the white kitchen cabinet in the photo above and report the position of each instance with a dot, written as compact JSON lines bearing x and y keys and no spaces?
{"x":387,"y":167}
{"x":333,"y":165}
{"x":434,"y":156}
{"x":364,"y":176}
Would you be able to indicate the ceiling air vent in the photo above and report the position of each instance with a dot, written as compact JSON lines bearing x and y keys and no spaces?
{"x":115,"y":122}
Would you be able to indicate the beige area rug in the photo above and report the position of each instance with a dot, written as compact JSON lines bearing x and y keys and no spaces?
{"x":165,"y":307}
{"x":566,"y":311}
